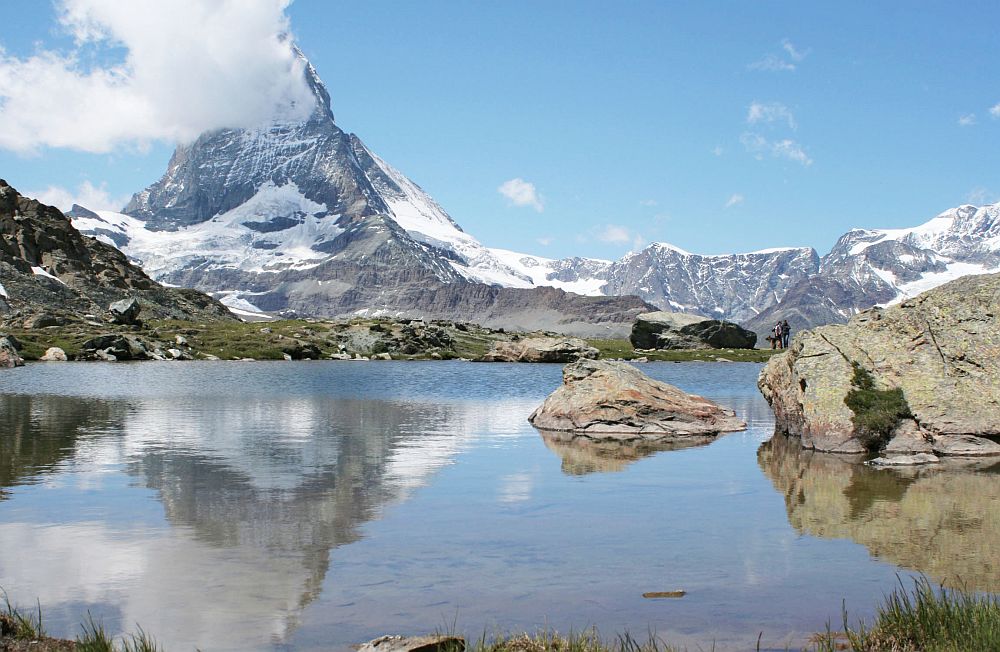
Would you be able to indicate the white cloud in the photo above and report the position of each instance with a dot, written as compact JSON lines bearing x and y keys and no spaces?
{"x":717,"y":150}
{"x":770,"y":112}
{"x":616,"y":234}
{"x":995,"y":110}
{"x":967,"y":120}
{"x":759,"y":147}
{"x":544,"y":241}
{"x":96,"y":198}
{"x":735,"y":200}
{"x":982,"y":196}
{"x":649,"y":202}
{"x":783,"y":61}
{"x":793,"y":53}
{"x":188,"y":66}
{"x":772,"y":63}
{"x":521,"y":193}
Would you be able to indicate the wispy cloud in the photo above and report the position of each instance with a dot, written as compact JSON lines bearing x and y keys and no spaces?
{"x":718,"y":151}
{"x":995,"y":110}
{"x":768,"y":112}
{"x":186,"y":66}
{"x":521,"y":193}
{"x":96,"y":198}
{"x":616,"y":234}
{"x":735,"y":200}
{"x":783,"y":61}
{"x":967,"y":120}
{"x":981,"y":196}
{"x":648,"y":202}
{"x":544,"y":241}
{"x":787,"y":148}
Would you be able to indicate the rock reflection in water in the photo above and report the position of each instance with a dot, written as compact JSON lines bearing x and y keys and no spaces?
{"x":582,"y":455}
{"x":256,"y":494}
{"x":941,"y":520}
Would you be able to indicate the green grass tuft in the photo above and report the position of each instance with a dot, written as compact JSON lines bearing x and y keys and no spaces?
{"x":924,"y":619}
{"x":19,"y":625}
{"x":876,"y":411}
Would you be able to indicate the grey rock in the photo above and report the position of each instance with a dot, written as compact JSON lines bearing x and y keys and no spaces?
{"x":668,"y":330}
{"x":125,"y":311}
{"x":942,"y":349}
{"x":905,"y":460}
{"x":430,"y":643}
{"x":114,"y":347}
{"x":541,"y":349}
{"x":601,"y":399}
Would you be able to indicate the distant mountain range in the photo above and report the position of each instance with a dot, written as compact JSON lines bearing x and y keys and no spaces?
{"x":299,"y":217}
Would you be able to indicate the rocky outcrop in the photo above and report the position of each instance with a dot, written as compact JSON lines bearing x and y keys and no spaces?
{"x":603,"y":399}
{"x":541,"y":349}
{"x":54,"y":354}
{"x":125,"y":311}
{"x":113,"y":348}
{"x":941,"y":349}
{"x":9,"y":357}
{"x":676,"y":330}
{"x":52,"y":274}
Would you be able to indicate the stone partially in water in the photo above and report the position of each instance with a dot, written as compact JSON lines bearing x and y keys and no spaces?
{"x":54,"y":354}
{"x":603,"y":399}
{"x":431,"y":643}
{"x":942,"y":349}
{"x":541,"y":349}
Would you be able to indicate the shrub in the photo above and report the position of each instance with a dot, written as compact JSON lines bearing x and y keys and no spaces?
{"x":876,"y":411}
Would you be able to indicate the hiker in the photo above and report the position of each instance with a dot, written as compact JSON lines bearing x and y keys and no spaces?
{"x":786,"y":333}
{"x":776,"y":333}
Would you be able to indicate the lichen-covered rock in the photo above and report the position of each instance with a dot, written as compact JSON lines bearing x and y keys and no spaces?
{"x":603,"y":399}
{"x":541,"y":349}
{"x":675,"y":330}
{"x":9,"y":357}
{"x":942,"y":349}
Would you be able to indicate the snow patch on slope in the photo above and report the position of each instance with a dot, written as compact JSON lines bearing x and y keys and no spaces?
{"x":931,"y":280}
{"x":247,"y":238}
{"x":541,"y":272}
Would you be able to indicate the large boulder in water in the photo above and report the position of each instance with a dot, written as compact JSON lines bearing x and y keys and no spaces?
{"x":541,"y":349}
{"x":677,"y":330}
{"x":940,"y":349}
{"x":603,"y":399}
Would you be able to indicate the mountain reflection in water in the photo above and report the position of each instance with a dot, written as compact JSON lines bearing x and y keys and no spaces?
{"x":256,"y":494}
{"x":941,"y":520}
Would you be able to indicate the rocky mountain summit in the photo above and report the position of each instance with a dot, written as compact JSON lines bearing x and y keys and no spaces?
{"x":301,"y":218}
{"x":940,"y":350}
{"x":50,"y":274}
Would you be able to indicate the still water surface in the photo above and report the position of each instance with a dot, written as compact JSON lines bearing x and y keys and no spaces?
{"x":309,"y":506}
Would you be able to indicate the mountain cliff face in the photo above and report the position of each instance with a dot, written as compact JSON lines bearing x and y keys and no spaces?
{"x":886,"y":266}
{"x":48,"y":268}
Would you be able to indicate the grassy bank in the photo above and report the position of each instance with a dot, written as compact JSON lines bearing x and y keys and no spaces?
{"x":924,"y":618}
{"x":321,"y":339}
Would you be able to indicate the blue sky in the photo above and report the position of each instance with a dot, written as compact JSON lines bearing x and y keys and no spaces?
{"x":718,"y":127}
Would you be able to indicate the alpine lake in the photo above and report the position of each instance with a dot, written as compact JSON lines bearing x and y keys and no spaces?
{"x":317,"y":505}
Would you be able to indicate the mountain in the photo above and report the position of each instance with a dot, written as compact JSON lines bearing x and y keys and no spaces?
{"x":299,"y":217}
{"x":48,"y":269}
{"x":868,"y":267}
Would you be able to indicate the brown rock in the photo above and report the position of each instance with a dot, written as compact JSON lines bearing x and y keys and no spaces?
{"x":602,"y":399}
{"x":541,"y":349}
